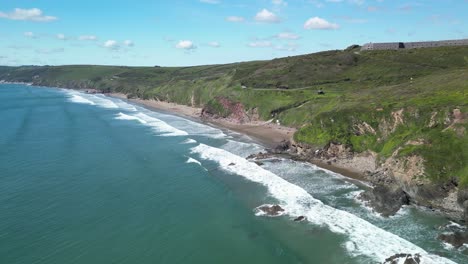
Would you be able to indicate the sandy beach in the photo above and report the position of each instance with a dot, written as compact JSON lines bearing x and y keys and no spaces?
{"x":265,"y":132}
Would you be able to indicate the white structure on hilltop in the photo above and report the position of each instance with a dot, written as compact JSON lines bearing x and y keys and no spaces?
{"x":414,"y":45}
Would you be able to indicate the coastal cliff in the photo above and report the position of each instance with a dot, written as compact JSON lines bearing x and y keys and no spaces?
{"x":397,"y":118}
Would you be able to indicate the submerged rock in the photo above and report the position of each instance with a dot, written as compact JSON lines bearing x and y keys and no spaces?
{"x":271,"y":210}
{"x":259,"y":163}
{"x":232,"y":164}
{"x":407,"y":258}
{"x":385,"y":200}
{"x":260,"y":156}
{"x":300,"y":219}
{"x":456,"y":239}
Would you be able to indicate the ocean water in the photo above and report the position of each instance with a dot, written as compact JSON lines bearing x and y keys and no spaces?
{"x":92,"y":179}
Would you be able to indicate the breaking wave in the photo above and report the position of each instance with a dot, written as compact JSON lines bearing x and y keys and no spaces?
{"x":363,"y":237}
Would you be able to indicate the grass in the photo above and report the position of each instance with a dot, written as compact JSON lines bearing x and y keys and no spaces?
{"x":359,"y":87}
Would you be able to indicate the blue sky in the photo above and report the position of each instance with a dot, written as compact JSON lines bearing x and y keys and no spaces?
{"x":196,"y":32}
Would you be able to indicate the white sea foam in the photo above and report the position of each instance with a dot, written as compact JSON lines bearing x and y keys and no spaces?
{"x":160,"y":126}
{"x":242,"y":149}
{"x":122,"y":116}
{"x":455,"y":225}
{"x":192,"y":160}
{"x":79,"y":99}
{"x":191,"y":127}
{"x":448,"y":246}
{"x":189,"y":141}
{"x":157,"y":125}
{"x":366,"y":238}
{"x":125,"y":106}
{"x":102,"y":101}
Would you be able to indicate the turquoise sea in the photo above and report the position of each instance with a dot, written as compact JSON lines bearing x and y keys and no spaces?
{"x":92,"y":179}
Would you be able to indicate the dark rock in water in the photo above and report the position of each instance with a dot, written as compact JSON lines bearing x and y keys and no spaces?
{"x":259,"y":163}
{"x":456,"y":239}
{"x":385,"y":200}
{"x":231,"y":164}
{"x":271,"y":210}
{"x":260,"y":155}
{"x":409,"y":259}
{"x":300,"y":219}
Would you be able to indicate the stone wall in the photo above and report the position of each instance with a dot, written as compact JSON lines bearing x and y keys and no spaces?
{"x":414,"y":45}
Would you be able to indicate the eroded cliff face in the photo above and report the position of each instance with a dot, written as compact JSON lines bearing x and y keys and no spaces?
{"x":222,"y":107}
{"x":402,"y":174}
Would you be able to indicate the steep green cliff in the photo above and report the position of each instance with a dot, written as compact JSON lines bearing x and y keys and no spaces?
{"x":379,"y":101}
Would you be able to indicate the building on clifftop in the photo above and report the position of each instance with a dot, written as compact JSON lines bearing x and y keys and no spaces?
{"x":414,"y":45}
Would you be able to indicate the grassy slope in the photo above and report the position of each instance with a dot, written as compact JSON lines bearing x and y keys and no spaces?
{"x":360,"y":87}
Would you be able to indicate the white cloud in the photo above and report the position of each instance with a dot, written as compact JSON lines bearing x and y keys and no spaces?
{"x":214,"y":44}
{"x":320,"y":23}
{"x":213,"y":2}
{"x":129,"y":43}
{"x":61,"y":36}
{"x":87,"y":37}
{"x":29,"y":34}
{"x":260,"y":44}
{"x":287,"y":35}
{"x":33,"y":14}
{"x":235,"y":19}
{"x":266,"y":16}
{"x":111,"y":44}
{"x":279,"y":2}
{"x":186,"y":45}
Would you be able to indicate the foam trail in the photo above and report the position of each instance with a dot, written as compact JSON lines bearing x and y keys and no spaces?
{"x":123,"y":105}
{"x":101,"y":101}
{"x":189,"y":141}
{"x":364,"y":238}
{"x":192,"y":160}
{"x":122,"y":116}
{"x":161,"y":126}
{"x":156,"y":124}
{"x":242,"y":149}
{"x":193,"y":128}
{"x":80,"y":100}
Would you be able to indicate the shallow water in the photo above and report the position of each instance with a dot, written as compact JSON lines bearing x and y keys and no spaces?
{"x":91,"y":179}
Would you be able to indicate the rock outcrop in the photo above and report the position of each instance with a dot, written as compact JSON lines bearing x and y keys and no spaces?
{"x":386,"y":200}
{"x":404,"y":258}
{"x":271,"y":210}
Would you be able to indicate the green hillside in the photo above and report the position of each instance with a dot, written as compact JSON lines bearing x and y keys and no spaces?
{"x":427,"y":84}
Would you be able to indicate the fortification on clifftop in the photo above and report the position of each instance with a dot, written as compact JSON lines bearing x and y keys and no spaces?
{"x":414,"y":45}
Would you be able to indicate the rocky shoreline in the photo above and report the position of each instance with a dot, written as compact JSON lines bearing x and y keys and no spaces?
{"x":388,"y":194}
{"x":394,"y":182}
{"x":388,"y":185}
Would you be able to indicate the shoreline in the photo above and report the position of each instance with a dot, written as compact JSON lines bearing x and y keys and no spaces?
{"x":268,"y":134}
